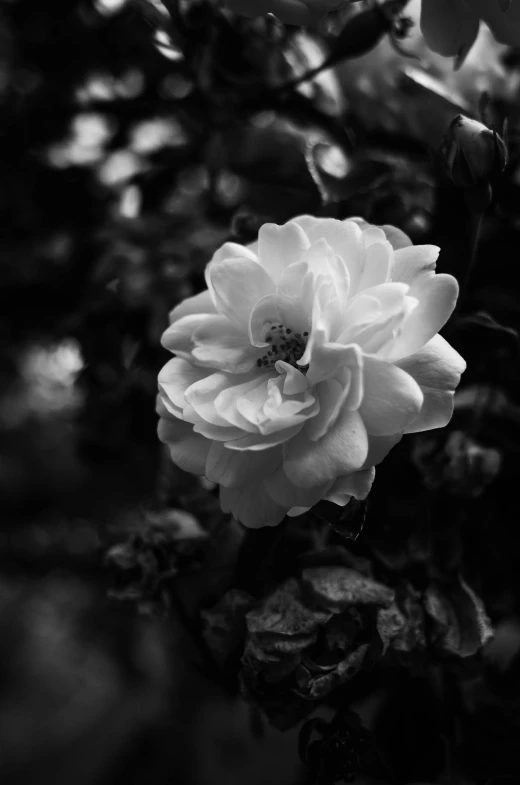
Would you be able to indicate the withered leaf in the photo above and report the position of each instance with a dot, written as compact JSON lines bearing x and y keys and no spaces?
{"x":338,"y":588}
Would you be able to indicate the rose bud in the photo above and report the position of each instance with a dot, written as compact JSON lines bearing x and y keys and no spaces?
{"x":471,"y":153}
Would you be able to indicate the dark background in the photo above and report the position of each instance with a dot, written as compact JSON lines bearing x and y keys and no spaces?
{"x":126,"y":158}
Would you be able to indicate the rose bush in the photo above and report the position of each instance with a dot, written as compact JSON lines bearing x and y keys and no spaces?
{"x":450,"y":27}
{"x":303,"y":363}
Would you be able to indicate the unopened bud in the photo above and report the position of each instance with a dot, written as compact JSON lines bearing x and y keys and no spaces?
{"x":471,"y":153}
{"x":363,"y":31}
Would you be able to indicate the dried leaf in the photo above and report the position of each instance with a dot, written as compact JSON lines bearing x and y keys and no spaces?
{"x":284,"y":614}
{"x":339,"y":588}
{"x":224,"y":625}
{"x":312,"y":687}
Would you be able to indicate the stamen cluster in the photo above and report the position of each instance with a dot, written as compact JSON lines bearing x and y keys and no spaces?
{"x":285,"y":345}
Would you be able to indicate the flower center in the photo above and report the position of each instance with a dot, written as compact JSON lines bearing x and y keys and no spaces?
{"x":285,"y":345}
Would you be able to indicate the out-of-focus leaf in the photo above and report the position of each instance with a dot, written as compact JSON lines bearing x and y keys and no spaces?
{"x":462,"y":622}
{"x":447,"y":619}
{"x":224,"y":626}
{"x":458,"y":464}
{"x":363,"y":30}
{"x":328,"y":167}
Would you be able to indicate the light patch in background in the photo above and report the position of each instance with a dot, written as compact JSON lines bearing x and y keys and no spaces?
{"x":89,"y":133}
{"x":120,"y":167}
{"x":130,"y":204}
{"x":333,"y":161}
{"x":166,"y":46}
{"x":109,"y":7}
{"x":104,"y":87}
{"x":151,"y":135}
{"x":50,"y":375}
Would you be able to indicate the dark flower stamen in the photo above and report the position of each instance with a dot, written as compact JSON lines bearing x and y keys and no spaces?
{"x":285,"y":345}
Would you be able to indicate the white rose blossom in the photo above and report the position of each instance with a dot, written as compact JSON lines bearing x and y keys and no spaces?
{"x":303,"y":363}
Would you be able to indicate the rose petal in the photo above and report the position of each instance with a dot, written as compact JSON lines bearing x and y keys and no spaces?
{"x":239,"y":403}
{"x":280,"y":246}
{"x":251,"y":505}
{"x":286,"y":494}
{"x":396,"y":237}
{"x":357,"y":485}
{"x":199,"y":303}
{"x":175,"y":378}
{"x":437,"y":369}
{"x":295,"y":511}
{"x":344,"y":237}
{"x":220,"y":344}
{"x":178,"y":338}
{"x":234,"y":469}
{"x":201,"y":395}
{"x":412,"y":262}
{"x":238,"y":284}
{"x":331,"y":396}
{"x":392,"y":398}
{"x":187,"y":449}
{"x":379,"y":447}
{"x":378,"y":264}
{"x":341,"y":450}
{"x":328,"y":359}
{"x":295,"y":382}
{"x":437,"y":296}
{"x":260,"y":441}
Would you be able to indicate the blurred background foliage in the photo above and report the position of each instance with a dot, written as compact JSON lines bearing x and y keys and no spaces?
{"x":135,"y":138}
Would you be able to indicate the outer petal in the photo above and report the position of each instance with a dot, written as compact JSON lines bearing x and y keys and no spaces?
{"x":344,"y":237}
{"x":284,"y":492}
{"x":396,"y":237}
{"x":280,"y":246}
{"x":378,"y":265}
{"x":392,"y":398}
{"x":259,"y":441}
{"x":188,"y":450}
{"x":449,"y":27}
{"x":178,"y":338}
{"x":437,"y":369}
{"x":411,"y":263}
{"x":201,"y":396}
{"x":238,"y":284}
{"x":437,"y":297}
{"x":238,"y":402}
{"x":219,"y":344}
{"x":379,"y":447}
{"x":252,"y":505}
{"x":343,"y":449}
{"x":232,"y":251}
{"x":199,"y":303}
{"x":357,"y":485}
{"x":175,"y":378}
{"x":233,"y":469}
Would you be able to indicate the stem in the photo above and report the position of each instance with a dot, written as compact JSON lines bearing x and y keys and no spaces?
{"x":476,"y":226}
{"x":478,"y":198}
{"x":305,"y":77}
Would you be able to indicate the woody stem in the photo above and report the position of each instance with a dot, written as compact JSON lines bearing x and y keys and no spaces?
{"x":478,"y":200}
